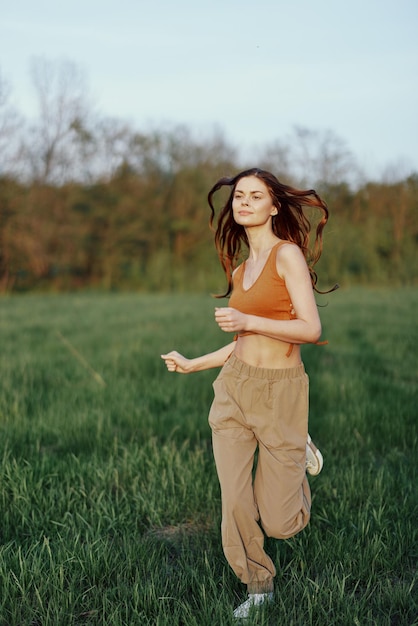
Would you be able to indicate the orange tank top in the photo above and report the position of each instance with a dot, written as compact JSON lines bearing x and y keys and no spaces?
{"x":267,"y":296}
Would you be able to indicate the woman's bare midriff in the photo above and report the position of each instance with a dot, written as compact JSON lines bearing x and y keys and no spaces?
{"x":262,"y":351}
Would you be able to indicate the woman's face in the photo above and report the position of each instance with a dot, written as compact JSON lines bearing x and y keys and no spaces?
{"x":252,"y":204}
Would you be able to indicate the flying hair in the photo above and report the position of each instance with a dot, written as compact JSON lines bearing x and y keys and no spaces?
{"x":290,"y":223}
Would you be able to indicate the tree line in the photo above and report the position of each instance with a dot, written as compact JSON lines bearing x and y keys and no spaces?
{"x":91,"y":202}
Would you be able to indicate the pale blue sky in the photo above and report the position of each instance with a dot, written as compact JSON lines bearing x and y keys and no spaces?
{"x":253,"y":69}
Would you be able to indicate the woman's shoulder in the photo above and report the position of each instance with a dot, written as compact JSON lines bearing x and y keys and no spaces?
{"x":288,"y":254}
{"x":238,"y":269}
{"x":285,"y":248}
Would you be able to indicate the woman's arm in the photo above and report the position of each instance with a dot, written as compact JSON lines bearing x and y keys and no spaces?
{"x":306,"y":328}
{"x":176,"y":362}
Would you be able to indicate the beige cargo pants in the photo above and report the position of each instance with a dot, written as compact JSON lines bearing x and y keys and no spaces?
{"x":267,"y":408}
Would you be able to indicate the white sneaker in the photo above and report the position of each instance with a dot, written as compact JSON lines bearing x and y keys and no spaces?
{"x":314,"y":459}
{"x":254,"y":599}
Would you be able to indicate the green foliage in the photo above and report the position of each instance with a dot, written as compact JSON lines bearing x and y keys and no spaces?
{"x":91,"y":202}
{"x":109,"y":499}
{"x":146,"y":227}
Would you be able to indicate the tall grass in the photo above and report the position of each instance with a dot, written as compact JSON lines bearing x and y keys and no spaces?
{"x":109,"y":501}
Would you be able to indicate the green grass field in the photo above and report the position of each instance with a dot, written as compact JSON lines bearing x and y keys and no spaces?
{"x":109,"y":500}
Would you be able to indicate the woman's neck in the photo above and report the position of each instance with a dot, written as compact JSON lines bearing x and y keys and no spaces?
{"x":260,"y":242}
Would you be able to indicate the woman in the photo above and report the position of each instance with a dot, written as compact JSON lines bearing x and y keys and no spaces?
{"x":261,"y":393}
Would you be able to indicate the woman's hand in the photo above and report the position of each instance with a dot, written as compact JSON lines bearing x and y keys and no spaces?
{"x":230,"y":320}
{"x":176,"y":362}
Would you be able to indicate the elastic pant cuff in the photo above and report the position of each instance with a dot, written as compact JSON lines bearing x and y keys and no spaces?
{"x":264,"y":586}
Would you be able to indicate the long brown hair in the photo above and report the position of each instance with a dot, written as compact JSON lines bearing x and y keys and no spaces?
{"x":290,"y":223}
